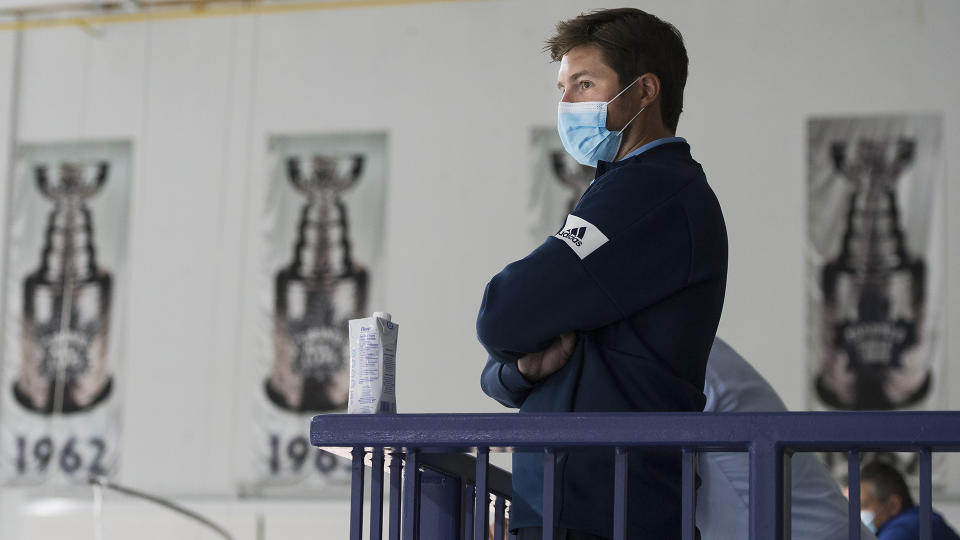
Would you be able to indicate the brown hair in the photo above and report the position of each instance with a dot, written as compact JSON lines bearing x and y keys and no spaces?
{"x":632,"y":43}
{"x":887,"y":481}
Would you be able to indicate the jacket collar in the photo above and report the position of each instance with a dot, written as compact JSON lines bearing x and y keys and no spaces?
{"x":676,"y":148}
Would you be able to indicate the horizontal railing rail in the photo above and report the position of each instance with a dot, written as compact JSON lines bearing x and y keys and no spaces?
{"x":769,"y":438}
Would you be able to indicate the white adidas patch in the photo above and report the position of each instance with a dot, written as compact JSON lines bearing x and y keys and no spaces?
{"x":581,"y":235}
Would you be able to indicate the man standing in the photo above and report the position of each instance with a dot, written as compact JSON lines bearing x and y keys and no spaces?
{"x":887,"y":507}
{"x":618,"y":310}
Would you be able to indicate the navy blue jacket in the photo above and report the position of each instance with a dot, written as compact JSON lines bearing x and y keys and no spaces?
{"x":638,"y":272}
{"x":906,"y":526}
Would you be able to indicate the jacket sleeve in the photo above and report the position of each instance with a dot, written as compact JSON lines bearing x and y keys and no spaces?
{"x":503,"y":382}
{"x":598,"y":269}
{"x":534,"y":300}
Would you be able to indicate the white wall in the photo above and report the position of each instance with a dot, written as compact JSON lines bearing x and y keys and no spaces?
{"x":457,"y":87}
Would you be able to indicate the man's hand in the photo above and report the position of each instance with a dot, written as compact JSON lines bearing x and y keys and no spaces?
{"x":539,"y":365}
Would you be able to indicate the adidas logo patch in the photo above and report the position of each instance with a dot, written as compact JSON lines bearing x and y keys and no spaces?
{"x":575,"y":235}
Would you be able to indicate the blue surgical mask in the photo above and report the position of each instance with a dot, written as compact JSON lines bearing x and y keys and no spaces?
{"x":867,"y":517}
{"x":583,"y":130}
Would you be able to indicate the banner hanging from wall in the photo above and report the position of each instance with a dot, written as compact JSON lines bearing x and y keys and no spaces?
{"x":875,"y":259}
{"x":323,"y":225}
{"x":65,"y":291}
{"x":557,"y":182}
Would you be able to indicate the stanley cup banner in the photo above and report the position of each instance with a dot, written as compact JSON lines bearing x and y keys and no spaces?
{"x":65,"y":285}
{"x":875,"y":299}
{"x":557,"y":183}
{"x":875,"y":255}
{"x":323,"y":223}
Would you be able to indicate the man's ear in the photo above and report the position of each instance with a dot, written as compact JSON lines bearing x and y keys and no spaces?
{"x":649,"y":89}
{"x":894,"y":505}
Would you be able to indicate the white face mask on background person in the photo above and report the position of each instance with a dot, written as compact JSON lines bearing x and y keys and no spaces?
{"x":583,"y":130}
{"x":867,"y":517}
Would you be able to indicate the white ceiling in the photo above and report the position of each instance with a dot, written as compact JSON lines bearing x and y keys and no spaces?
{"x":30,"y":5}
{"x":65,"y":7}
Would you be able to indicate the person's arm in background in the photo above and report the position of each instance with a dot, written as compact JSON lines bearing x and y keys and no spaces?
{"x":732,"y":385}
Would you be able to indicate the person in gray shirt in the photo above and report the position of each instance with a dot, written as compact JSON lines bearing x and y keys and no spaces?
{"x":819,"y":509}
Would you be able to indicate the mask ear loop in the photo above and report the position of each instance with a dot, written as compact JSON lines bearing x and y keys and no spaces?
{"x":634,"y":116}
{"x":625,"y":88}
{"x":631,"y":120}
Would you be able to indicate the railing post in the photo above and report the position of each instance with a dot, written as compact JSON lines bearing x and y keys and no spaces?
{"x":498,"y":518}
{"x":376,"y":495}
{"x":356,"y":494}
{"x":411,"y":496}
{"x":469,"y":496}
{"x":786,"y":504}
{"x":481,"y":513}
{"x":396,"y":468}
{"x":926,"y":494}
{"x":549,"y":494}
{"x":769,"y":493}
{"x":853,"y":492}
{"x":688,"y":494}
{"x":620,"y":494}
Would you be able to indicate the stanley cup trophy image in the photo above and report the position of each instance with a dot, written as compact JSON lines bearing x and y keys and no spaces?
{"x":66,"y":302}
{"x":317,"y":293}
{"x":572,"y":175}
{"x":874,"y":290}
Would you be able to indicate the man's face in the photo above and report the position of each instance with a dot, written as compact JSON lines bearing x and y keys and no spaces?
{"x":583,"y":76}
{"x":883,"y":510}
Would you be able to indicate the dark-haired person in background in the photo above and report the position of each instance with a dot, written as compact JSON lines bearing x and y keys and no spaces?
{"x":618,"y":310}
{"x":887,"y":508}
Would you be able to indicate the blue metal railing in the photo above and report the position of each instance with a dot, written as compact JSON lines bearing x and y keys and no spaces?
{"x":769,"y":438}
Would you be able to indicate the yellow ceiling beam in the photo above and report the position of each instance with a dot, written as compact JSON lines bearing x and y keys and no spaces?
{"x":209,"y":12}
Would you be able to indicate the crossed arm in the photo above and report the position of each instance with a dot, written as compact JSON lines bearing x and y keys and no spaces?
{"x":529,"y":318}
{"x":553,"y":292}
{"x":509,"y":383}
